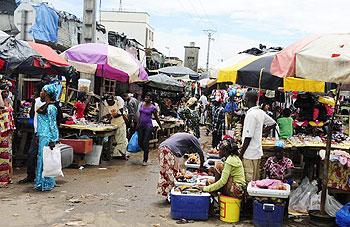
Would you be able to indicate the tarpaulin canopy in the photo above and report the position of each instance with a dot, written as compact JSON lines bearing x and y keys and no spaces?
{"x":33,"y":59}
{"x":179,"y":71}
{"x":106,"y":61}
{"x":164,"y":82}
{"x":320,"y":57}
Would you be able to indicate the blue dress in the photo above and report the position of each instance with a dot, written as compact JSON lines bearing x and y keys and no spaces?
{"x":47,"y":132}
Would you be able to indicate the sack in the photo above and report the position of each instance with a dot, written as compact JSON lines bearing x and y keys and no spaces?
{"x":52,"y":162}
{"x":133,"y":145}
{"x":342,"y":217}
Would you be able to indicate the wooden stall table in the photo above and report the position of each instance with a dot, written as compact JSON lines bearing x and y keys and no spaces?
{"x":95,"y":131}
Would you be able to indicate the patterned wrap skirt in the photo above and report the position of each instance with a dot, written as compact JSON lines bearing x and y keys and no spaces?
{"x":169,"y":167}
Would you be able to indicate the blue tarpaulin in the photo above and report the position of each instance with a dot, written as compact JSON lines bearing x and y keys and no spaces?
{"x":46,"y":23}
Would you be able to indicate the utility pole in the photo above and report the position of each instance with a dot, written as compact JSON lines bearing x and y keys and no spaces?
{"x":89,"y":21}
{"x":210,"y":33}
{"x":120,"y":5}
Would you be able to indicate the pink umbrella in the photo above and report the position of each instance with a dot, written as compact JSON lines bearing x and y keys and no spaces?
{"x":106,"y":61}
{"x":320,"y":57}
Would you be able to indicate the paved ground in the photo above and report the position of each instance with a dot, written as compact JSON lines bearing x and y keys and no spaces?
{"x":117,"y":193}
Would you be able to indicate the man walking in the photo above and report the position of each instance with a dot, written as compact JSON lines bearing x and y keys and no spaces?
{"x":254,"y":122}
{"x":131,"y":105}
{"x":33,"y":149}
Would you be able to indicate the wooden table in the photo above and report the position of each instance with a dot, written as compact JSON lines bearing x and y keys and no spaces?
{"x":98,"y":133}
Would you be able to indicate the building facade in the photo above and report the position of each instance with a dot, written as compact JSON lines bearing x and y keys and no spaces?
{"x":135,"y":25}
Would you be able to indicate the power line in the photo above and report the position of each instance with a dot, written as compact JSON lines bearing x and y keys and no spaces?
{"x":206,"y":14}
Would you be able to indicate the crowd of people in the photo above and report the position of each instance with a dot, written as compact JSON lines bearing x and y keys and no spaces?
{"x":215,"y":112}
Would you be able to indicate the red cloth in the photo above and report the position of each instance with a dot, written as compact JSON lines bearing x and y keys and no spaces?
{"x":80,"y":109}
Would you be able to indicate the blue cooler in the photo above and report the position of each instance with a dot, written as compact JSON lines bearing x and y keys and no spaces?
{"x":267,"y":214}
{"x":189,"y":206}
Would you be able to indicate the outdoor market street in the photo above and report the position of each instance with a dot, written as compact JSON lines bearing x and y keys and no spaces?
{"x":123,"y":194}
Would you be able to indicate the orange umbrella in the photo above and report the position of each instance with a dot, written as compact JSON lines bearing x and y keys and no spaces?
{"x":49,"y":54}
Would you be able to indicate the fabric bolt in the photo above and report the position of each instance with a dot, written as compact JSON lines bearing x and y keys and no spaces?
{"x":45,"y":27}
{"x":285,"y":125}
{"x":6,"y":130}
{"x":181,"y":144}
{"x":254,"y":122}
{"x":251,"y":169}
{"x":277,"y":170}
{"x":232,"y":176}
{"x":169,"y":167}
{"x":145,"y":135}
{"x":47,"y":132}
{"x":339,"y":176}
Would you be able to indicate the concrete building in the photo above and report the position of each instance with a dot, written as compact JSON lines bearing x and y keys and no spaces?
{"x":136,"y":25}
{"x":172,"y":61}
{"x":191,"y":56}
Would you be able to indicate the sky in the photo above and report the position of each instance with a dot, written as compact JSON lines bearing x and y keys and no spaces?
{"x":239,"y":24}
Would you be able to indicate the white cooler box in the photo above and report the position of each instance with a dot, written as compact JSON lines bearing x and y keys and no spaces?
{"x":66,"y":154}
{"x":260,"y":192}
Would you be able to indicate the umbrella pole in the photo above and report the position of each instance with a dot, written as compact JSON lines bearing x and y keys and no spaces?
{"x":328,"y":152}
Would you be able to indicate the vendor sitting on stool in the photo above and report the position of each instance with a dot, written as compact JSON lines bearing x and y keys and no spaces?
{"x":279,"y":167}
{"x":230,"y":180}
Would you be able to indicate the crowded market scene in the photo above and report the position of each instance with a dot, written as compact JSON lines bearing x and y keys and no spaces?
{"x":100,"y":128}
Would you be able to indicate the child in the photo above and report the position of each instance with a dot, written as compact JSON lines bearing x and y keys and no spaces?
{"x":285,"y":124}
{"x":80,"y":106}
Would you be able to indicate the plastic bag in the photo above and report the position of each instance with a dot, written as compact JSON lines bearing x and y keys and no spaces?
{"x":133,"y":145}
{"x":332,"y":206}
{"x":300,"y":198}
{"x":315,"y":201}
{"x":52,"y":162}
{"x":342,"y":217}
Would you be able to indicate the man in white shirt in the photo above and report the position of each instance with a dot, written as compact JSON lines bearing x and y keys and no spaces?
{"x":114,"y":109}
{"x":33,"y":149}
{"x":254,"y":122}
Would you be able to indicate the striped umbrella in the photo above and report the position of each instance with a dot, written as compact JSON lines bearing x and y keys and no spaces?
{"x":319,"y":57}
{"x":250,"y":70}
{"x":106,"y":61}
{"x":254,"y":71}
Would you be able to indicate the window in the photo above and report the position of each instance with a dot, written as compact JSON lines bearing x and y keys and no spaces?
{"x":109,"y":86}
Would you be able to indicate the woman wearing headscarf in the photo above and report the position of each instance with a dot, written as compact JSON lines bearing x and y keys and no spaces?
{"x":47,"y":132}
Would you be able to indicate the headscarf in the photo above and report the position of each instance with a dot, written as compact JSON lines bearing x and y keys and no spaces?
{"x":279,"y":144}
{"x":51,"y":90}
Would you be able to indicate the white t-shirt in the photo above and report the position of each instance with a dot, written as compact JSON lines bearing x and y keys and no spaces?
{"x":37,"y":105}
{"x":254,"y":122}
{"x":204,"y":100}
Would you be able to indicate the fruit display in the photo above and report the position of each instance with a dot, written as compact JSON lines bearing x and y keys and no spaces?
{"x":186,"y":177}
{"x":193,"y":159}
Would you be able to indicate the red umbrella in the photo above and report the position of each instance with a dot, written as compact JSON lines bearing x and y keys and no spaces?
{"x":49,"y":54}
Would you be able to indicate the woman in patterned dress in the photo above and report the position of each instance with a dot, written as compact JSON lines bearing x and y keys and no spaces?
{"x":48,"y":134}
{"x":6,"y":130}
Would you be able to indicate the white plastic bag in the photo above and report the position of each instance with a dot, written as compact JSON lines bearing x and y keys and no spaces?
{"x":332,"y":206}
{"x":315,"y":201}
{"x":52,"y":162}
{"x":300,"y":198}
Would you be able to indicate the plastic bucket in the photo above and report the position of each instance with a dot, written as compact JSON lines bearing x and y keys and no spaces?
{"x":229,"y":209}
{"x":84,"y":85}
{"x":94,"y":157}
